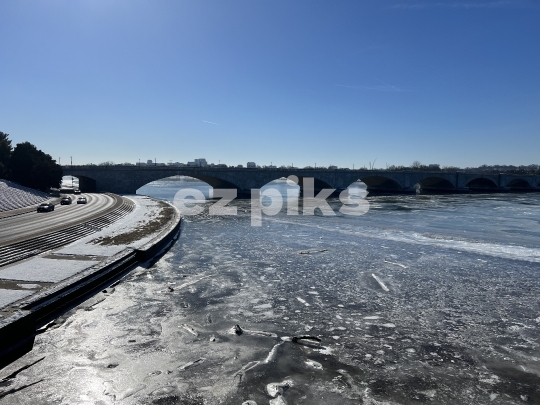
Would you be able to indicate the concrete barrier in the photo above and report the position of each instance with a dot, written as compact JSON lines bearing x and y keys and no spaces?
{"x":17,"y":334}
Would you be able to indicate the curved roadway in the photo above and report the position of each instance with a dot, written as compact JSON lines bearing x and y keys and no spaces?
{"x":20,"y":227}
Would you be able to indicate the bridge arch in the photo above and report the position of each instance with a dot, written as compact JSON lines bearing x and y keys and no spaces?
{"x":481,"y":184}
{"x":83,"y":183}
{"x":167,"y":187}
{"x":518,"y":184}
{"x":184,"y":180}
{"x":269,"y":178}
{"x":380,"y":184}
{"x":215,"y":182}
{"x":318,"y":184}
{"x":435,"y":183}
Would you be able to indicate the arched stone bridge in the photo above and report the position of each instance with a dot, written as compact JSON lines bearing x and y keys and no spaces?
{"x":127,"y":179}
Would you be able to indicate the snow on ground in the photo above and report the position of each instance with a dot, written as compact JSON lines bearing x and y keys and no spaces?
{"x":9,"y":296}
{"x":45,"y":270}
{"x":146,"y":210}
{"x":14,"y":196}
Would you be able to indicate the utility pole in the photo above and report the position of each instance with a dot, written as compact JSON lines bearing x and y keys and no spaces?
{"x":155,"y":162}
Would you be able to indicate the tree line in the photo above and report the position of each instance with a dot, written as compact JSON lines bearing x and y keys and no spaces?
{"x":511,"y":169}
{"x":27,"y":165}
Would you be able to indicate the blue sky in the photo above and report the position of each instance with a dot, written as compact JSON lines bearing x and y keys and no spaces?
{"x":287,"y":82}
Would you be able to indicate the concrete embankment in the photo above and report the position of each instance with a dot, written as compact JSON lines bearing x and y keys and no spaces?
{"x":121,"y":248}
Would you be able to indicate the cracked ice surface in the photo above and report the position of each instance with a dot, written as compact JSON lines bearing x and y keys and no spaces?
{"x":457,"y":325}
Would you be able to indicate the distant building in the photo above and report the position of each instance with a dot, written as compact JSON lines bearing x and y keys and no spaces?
{"x":201,"y":162}
{"x":198,"y":163}
{"x":251,"y":165}
{"x":239,"y":167}
{"x":332,"y":167}
{"x":149,"y":162}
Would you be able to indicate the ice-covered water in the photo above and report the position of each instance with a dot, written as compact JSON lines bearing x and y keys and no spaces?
{"x":458,"y":321}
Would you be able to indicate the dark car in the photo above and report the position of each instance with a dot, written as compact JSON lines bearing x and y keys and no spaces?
{"x":81,"y":200}
{"x":45,"y":207}
{"x":65,"y":201}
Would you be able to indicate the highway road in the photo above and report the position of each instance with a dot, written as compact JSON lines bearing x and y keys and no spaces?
{"x":32,"y":224}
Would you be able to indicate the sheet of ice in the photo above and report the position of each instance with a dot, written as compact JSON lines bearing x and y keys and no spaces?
{"x":493,"y":249}
{"x":383,"y":286}
{"x":9,"y":296}
{"x":45,"y":270}
{"x":29,"y":286}
{"x":146,"y":210}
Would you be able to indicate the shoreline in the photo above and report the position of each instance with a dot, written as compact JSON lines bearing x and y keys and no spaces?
{"x":26,"y":315}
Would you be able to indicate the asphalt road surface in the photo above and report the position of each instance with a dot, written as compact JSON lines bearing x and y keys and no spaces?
{"x":20,"y":227}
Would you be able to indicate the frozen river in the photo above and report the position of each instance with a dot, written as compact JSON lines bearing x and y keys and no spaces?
{"x":425,"y":299}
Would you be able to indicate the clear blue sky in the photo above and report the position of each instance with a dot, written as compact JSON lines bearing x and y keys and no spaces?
{"x":303,"y":82}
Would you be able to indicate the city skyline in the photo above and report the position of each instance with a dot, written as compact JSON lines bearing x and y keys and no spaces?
{"x":452,"y":83}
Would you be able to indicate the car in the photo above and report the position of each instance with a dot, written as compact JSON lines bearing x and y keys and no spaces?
{"x":45,"y":207}
{"x":77,"y":191}
{"x":81,"y":200}
{"x":65,"y":201}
